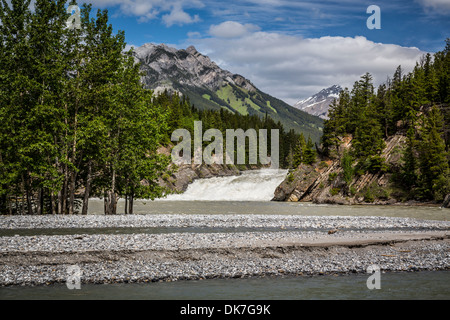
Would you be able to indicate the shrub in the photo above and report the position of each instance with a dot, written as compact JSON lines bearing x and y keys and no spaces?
{"x":290,"y":177}
{"x":332,"y":176}
{"x":334,"y":191}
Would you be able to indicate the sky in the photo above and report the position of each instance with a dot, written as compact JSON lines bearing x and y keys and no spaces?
{"x":291,"y":49}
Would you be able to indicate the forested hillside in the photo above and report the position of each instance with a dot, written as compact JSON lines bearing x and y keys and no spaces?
{"x":76,"y":121}
{"x":73,"y":113}
{"x":415,"y":105}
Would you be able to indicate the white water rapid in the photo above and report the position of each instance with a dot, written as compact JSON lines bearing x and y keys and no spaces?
{"x":254,"y":185}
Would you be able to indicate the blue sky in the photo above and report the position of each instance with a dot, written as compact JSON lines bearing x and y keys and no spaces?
{"x":290,"y":49}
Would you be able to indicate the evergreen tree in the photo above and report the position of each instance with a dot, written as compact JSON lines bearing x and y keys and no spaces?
{"x":335,"y":125}
{"x":434,"y":169}
{"x":309,"y":156}
{"x":299,"y":151}
{"x":347,"y":168}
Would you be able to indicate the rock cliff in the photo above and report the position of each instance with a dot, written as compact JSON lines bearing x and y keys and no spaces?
{"x":323,"y":181}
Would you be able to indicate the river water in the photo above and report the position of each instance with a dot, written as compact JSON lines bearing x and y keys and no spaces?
{"x":394,"y":285}
{"x":249,"y":194}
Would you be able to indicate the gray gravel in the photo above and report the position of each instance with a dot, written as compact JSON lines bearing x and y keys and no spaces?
{"x":394,"y":244}
{"x":220,"y":220}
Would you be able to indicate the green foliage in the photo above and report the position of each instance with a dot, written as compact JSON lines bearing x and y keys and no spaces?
{"x":369,"y":196}
{"x":335,"y":191}
{"x":373,"y":192}
{"x":290,"y":177}
{"x":299,"y":150}
{"x":309,"y":153}
{"x":181,"y":114}
{"x":332,"y":176}
{"x":74,"y":113}
{"x":433,"y":163}
{"x":411,"y":104}
{"x":323,"y":165}
{"x":347,"y":167}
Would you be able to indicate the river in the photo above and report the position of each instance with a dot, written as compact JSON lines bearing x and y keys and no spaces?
{"x":249,"y":194}
{"x":394,"y":285}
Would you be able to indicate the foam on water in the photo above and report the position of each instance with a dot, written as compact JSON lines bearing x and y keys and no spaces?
{"x":255,"y":185}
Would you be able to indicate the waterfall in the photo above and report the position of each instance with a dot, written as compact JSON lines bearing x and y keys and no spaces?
{"x":254,"y":185}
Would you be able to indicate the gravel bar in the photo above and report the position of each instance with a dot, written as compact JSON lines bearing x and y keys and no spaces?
{"x":224,"y":221}
{"x":119,"y":258}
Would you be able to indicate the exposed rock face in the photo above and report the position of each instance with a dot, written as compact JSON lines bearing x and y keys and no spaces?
{"x":168,"y":67}
{"x":324,"y":183}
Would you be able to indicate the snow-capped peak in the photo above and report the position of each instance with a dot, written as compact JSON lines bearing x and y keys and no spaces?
{"x":319,"y":103}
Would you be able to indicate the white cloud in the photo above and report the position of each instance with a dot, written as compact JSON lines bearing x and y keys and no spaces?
{"x":232,"y":29}
{"x":173,"y":12}
{"x":178,"y":16}
{"x":292,"y":68}
{"x":439,"y":6}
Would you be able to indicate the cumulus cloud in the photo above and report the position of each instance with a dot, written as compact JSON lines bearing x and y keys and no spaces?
{"x":232,"y":29}
{"x":178,"y":16}
{"x":291,"y":67}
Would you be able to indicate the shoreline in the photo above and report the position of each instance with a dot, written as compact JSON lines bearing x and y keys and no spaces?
{"x":394,"y":244}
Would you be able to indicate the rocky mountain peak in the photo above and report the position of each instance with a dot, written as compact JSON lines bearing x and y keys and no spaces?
{"x":191,"y":50}
{"x":166,"y":66}
{"x":319,"y":103}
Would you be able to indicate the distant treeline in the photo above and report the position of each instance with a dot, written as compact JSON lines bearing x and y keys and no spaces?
{"x":182,"y":114}
{"x":415,"y":105}
{"x":75,"y":120}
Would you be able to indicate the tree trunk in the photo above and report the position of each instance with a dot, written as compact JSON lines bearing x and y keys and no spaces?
{"x":65,"y":191}
{"x":87,"y":190}
{"x":53,"y":203}
{"x":40,"y":202}
{"x":28,"y":195}
{"x":130,"y":203}
{"x":111,"y":197}
{"x":112,"y":194}
{"x":72,"y":192}
{"x":126,"y":203}
{"x":110,"y":203}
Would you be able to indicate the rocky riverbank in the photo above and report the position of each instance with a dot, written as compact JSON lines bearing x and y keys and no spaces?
{"x":324,"y":183}
{"x":302,"y":245}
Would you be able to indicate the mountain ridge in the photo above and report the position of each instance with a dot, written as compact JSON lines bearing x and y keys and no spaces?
{"x":195,"y":75}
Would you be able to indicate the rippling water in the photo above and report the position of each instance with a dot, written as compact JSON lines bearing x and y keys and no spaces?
{"x":271,"y":207}
{"x":416,"y":285}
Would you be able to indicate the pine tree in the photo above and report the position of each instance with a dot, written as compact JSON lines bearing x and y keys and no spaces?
{"x":299,"y":151}
{"x":434,"y":169}
{"x":335,"y":127}
{"x":309,"y":155}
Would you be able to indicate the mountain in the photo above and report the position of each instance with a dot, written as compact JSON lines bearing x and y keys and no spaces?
{"x":209,"y":87}
{"x":319,"y":103}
